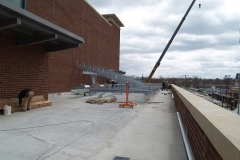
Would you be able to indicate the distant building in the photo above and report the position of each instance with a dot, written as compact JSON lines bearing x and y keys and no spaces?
{"x":41,"y":40}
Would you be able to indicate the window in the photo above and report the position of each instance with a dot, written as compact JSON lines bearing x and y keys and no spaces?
{"x":20,"y":3}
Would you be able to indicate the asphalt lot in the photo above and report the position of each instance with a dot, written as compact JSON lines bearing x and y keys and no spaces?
{"x":71,"y":129}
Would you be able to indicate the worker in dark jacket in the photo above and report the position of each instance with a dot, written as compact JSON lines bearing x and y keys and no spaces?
{"x":27,"y":94}
{"x":163,"y":85}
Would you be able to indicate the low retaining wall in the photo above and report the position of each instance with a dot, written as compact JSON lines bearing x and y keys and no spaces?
{"x":213,"y":131}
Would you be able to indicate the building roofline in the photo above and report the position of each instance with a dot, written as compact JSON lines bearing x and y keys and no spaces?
{"x":112,"y":17}
{"x":108,"y":17}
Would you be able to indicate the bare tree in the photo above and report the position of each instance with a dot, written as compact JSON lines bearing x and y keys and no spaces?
{"x":227,"y":80}
{"x":217,"y":81}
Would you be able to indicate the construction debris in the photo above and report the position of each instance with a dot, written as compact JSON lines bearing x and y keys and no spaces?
{"x":101,"y":96}
{"x":101,"y":100}
{"x":114,"y":99}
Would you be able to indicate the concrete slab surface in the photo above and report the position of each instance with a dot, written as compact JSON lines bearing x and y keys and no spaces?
{"x":71,"y":129}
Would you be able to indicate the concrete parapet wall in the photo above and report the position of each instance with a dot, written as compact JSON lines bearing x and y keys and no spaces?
{"x":213,"y":131}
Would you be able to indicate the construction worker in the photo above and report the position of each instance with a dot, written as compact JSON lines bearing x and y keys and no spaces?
{"x":27,"y":94}
{"x":163,"y":85}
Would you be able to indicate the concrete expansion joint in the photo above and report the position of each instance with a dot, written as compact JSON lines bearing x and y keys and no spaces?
{"x":41,"y":140}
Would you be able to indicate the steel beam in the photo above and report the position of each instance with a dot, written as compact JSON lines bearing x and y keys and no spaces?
{"x":58,"y":47}
{"x":10,"y":23}
{"x":35,"y":39}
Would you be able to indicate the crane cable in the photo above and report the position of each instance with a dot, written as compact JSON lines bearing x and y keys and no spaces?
{"x":200,"y":5}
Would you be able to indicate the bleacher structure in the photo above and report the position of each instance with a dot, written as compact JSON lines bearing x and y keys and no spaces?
{"x":134,"y":85}
{"x":110,"y":74}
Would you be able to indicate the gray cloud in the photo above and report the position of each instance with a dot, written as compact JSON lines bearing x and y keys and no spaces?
{"x":206,"y":45}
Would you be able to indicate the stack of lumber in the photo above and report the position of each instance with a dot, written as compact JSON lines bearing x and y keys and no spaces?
{"x":37,"y":102}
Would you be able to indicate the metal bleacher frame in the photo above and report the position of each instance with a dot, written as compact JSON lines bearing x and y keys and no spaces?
{"x":134,"y":86}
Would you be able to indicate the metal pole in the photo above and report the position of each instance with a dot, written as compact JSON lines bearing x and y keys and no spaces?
{"x":222,"y":99}
{"x":238,"y":77}
{"x":238,"y":92}
{"x":127,"y":92}
{"x":185,"y":81}
{"x":212,"y":95}
{"x":188,"y":148}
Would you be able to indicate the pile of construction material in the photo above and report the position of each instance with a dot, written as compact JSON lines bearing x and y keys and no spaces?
{"x":102,"y":100}
{"x":37,"y":102}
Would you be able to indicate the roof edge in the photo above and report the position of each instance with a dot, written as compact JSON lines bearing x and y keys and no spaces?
{"x":97,"y":12}
{"x":112,"y":17}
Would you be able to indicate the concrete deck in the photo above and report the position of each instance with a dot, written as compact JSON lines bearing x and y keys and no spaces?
{"x":73,"y":129}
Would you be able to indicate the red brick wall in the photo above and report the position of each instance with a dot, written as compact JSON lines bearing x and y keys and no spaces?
{"x":22,"y":67}
{"x":101,"y":47}
{"x":30,"y":67}
{"x":201,"y":145}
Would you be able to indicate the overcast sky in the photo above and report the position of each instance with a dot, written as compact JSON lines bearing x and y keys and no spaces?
{"x":207,"y":44}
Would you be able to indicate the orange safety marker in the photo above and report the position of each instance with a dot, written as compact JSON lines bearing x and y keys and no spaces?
{"x":127,"y":103}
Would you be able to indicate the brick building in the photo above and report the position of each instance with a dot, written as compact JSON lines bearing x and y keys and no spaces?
{"x":41,"y":40}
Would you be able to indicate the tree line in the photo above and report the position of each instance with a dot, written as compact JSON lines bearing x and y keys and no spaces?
{"x":194,"y":81}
